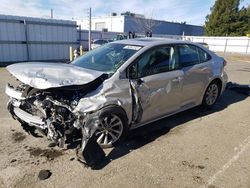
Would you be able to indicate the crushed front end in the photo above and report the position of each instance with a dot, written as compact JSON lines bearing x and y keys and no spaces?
{"x":51,"y":112}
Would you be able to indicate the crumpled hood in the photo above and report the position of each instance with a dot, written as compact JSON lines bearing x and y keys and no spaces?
{"x":51,"y":75}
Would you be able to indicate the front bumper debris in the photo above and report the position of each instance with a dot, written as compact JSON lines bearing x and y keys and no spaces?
{"x":11,"y":92}
{"x":28,"y":118}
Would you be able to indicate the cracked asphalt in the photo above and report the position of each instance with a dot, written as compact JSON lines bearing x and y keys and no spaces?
{"x":195,"y":148}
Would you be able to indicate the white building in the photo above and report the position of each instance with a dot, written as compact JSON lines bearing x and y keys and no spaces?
{"x":113,"y":22}
{"x":127,"y":22}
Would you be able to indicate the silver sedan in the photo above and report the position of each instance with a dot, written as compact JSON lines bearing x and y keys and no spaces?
{"x":114,"y":88}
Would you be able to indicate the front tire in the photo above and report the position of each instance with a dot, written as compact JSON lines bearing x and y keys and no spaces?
{"x":211,"y":95}
{"x":113,"y":127}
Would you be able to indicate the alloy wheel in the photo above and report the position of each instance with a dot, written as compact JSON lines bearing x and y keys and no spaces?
{"x":109,"y":130}
{"x":212,"y":94}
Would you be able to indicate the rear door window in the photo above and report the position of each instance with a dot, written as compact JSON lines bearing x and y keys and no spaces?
{"x":188,"y":55}
{"x":204,"y":56}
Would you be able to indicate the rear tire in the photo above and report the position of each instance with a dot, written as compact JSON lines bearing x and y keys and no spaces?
{"x":211,"y":95}
{"x":113,"y":127}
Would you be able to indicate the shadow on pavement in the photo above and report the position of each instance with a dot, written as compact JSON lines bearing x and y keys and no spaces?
{"x":141,"y":136}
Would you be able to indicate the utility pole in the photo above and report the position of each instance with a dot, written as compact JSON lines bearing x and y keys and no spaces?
{"x":89,"y":29}
{"x":51,"y":13}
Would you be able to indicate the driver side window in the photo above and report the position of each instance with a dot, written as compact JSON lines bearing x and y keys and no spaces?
{"x":154,"y":61}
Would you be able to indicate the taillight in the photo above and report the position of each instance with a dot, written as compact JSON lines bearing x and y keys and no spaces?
{"x":224,"y":63}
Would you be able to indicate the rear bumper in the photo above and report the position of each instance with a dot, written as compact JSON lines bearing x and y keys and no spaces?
{"x":224,"y":79}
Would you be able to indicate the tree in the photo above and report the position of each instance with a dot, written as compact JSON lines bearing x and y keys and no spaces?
{"x":248,"y":19}
{"x":147,"y":23}
{"x":226,"y":19}
{"x":243,"y":22}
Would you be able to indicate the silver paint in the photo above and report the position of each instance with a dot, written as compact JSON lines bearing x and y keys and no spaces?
{"x":52,"y":75}
{"x":113,"y":92}
{"x":159,"y":95}
{"x":11,"y":92}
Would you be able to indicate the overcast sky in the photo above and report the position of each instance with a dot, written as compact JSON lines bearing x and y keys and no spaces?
{"x":191,"y":11}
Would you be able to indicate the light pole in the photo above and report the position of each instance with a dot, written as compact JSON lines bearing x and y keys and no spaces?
{"x":89,"y":29}
{"x":51,"y":13}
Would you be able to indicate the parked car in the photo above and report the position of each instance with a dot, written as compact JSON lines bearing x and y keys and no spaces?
{"x":99,"y":42}
{"x":204,"y":44}
{"x":121,"y":37}
{"x":114,"y":88}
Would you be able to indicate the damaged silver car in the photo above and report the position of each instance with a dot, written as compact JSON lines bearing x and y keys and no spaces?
{"x":112,"y":89}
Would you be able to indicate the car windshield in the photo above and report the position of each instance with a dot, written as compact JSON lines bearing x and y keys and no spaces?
{"x":107,"y":58}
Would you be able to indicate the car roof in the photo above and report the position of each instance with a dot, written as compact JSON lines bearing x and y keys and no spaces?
{"x":150,"y":41}
{"x":101,"y":40}
{"x":201,"y":43}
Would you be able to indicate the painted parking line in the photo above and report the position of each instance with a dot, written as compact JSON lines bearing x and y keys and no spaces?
{"x":244,"y":61}
{"x":6,"y":118}
{"x":241,"y":149}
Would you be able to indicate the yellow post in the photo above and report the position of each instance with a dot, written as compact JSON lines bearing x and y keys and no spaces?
{"x":81,"y":50}
{"x":70,"y":53}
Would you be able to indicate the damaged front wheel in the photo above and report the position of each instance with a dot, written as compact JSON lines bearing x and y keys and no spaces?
{"x":113,"y":127}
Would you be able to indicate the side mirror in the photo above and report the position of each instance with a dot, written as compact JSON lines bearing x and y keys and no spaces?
{"x":122,"y":75}
{"x":132,"y":72}
{"x":139,"y":81}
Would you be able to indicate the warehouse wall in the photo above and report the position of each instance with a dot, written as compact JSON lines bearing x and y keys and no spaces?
{"x":35,"y":39}
{"x":140,"y":25}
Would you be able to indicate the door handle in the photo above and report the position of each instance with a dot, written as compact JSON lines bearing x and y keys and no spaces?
{"x":177,"y":79}
{"x":204,"y":68}
{"x":139,"y":81}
